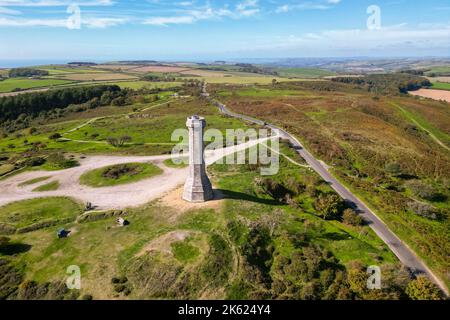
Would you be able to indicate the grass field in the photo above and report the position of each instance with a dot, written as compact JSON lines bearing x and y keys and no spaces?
{"x":51,"y":186}
{"x":29,"y":212}
{"x":441,"y":70}
{"x":119,"y":174}
{"x":141,"y":84}
{"x":304,"y":73}
{"x":64,"y":69}
{"x":99,"y":76}
{"x":9,"y":85}
{"x":441,"y":86}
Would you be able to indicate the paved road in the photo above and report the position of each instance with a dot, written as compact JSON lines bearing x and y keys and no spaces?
{"x":398,"y":247}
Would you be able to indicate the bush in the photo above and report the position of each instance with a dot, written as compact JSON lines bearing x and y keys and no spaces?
{"x":329,"y":206}
{"x":351,"y":218}
{"x":119,"y":171}
{"x":423,"y":209}
{"x":424,"y":191}
{"x":55,"y":136}
{"x":59,"y":161}
{"x":423,"y":289}
{"x":34,"y":162}
{"x":118,"y":142}
{"x":393,"y":168}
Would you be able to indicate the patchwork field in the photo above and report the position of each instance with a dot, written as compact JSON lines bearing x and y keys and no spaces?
{"x":9,"y":85}
{"x":287,"y":236}
{"x":100,"y":76}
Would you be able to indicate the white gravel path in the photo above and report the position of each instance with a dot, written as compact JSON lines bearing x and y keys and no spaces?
{"x":115,"y":197}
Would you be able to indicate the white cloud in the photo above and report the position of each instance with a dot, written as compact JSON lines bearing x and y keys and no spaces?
{"x":90,"y":22}
{"x":358,"y":40}
{"x":310,"y":5}
{"x":8,"y":11}
{"x":243,"y":9}
{"x":53,"y":3}
{"x":164,"y":21}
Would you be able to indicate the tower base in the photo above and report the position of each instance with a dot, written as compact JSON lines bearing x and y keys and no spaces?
{"x":196,"y":190}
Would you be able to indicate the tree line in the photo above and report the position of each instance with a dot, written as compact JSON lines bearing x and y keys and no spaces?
{"x":395,"y":83}
{"x":26,"y":72}
{"x":32,"y":104}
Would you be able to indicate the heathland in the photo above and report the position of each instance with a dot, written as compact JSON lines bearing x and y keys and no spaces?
{"x":288,"y":236}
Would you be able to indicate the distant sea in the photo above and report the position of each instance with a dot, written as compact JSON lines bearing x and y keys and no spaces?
{"x":30,"y":63}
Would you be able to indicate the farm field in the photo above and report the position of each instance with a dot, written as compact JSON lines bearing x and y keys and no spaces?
{"x":99,"y":76}
{"x":250,"y":241}
{"x":65,"y":69}
{"x":141,"y":84}
{"x":441,"y":86}
{"x":360,"y":137}
{"x":434,"y":94}
{"x":439,"y":71}
{"x":304,"y":73}
{"x":9,"y":85}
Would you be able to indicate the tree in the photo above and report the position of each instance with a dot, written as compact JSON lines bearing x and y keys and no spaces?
{"x":351,"y":218}
{"x":423,"y":289}
{"x":118,"y":142}
{"x":329,"y":206}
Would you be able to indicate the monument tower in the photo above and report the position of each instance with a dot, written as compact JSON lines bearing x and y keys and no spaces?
{"x":197,"y":187}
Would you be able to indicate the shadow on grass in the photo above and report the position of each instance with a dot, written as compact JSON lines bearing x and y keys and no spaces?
{"x":227,"y":194}
{"x":14,"y":248}
{"x":335,"y":236}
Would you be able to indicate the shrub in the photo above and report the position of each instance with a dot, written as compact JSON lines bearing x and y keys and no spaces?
{"x":119,"y":171}
{"x":329,"y":206}
{"x":59,"y":161}
{"x":423,"y":209}
{"x":118,"y":142}
{"x":55,"y":136}
{"x":34,"y":162}
{"x":350,"y":217}
{"x":424,"y":191}
{"x":393,"y":168}
{"x":423,"y":289}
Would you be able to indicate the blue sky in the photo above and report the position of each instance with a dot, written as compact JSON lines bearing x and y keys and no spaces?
{"x":198,"y":30}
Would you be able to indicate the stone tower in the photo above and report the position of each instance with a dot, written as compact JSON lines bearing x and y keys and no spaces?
{"x":197,"y":187}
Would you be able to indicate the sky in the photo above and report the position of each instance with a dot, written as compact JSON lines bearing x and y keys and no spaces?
{"x":195,"y":30}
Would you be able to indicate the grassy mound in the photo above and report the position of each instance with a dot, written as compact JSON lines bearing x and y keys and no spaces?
{"x":29,"y":215}
{"x":119,"y":174}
